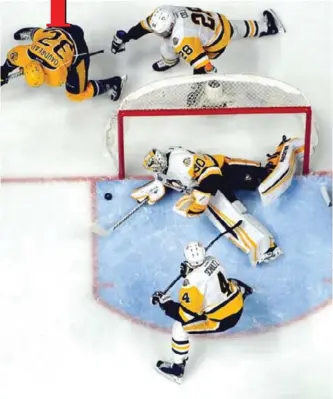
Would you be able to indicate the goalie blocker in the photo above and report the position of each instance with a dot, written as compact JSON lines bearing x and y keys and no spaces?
{"x":211,"y":190}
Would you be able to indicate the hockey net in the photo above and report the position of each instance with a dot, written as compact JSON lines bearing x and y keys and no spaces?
{"x":241,"y":116}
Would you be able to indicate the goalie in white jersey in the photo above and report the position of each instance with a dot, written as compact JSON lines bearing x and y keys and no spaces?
{"x":208,"y":303}
{"x":209,"y":182}
{"x":195,"y":35}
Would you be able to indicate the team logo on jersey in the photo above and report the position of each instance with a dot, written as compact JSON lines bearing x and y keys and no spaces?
{"x":175,"y":41}
{"x":186,"y":282}
{"x":13,"y":56}
{"x":187,"y":161}
{"x":248,"y":177}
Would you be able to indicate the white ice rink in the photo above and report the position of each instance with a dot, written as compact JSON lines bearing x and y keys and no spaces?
{"x":56,"y":341}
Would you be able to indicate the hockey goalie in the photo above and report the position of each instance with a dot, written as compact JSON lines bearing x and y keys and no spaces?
{"x":209,"y":182}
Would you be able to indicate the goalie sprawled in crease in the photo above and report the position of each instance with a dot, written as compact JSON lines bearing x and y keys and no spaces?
{"x":208,"y":183}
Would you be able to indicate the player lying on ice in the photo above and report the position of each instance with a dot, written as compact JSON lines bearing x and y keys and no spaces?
{"x":57,"y":56}
{"x":209,"y":182}
{"x":209,"y":303}
{"x":195,"y":35}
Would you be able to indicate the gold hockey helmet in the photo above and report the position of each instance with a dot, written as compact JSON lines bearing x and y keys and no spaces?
{"x":34,"y":74}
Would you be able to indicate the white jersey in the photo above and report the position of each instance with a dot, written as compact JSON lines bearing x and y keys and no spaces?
{"x":206,"y":290}
{"x":186,"y":169}
{"x":178,"y":174}
{"x":197,"y":35}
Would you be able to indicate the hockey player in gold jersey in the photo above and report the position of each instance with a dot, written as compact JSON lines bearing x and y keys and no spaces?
{"x":55,"y":57}
{"x":195,"y":35}
{"x":209,"y":302}
{"x":208,"y":183}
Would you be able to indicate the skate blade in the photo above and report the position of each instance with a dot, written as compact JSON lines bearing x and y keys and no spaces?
{"x":177,"y":380}
{"x":276,"y":255}
{"x":279,"y":24}
{"x":123,"y":80}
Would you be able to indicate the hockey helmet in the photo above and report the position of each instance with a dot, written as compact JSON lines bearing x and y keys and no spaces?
{"x":195,"y":253}
{"x":155,"y":161}
{"x":162,"y":22}
{"x":34,"y":74}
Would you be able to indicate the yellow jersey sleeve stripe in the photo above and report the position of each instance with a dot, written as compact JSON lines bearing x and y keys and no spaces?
{"x":200,"y":59}
{"x":224,"y":37}
{"x":145,"y":23}
{"x":184,"y":315}
{"x":213,"y":170}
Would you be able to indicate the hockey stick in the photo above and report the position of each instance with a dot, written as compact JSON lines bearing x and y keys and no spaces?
{"x":228,"y":230}
{"x":21,"y":72}
{"x":100,"y":231}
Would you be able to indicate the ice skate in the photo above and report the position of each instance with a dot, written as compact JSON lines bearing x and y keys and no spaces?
{"x":163,"y":65}
{"x":172,"y":371}
{"x":115,"y":87}
{"x":274,"y":24}
{"x":272,"y":254}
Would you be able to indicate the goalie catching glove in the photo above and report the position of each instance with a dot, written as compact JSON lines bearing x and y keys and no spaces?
{"x":192,"y":205}
{"x":152,"y":191}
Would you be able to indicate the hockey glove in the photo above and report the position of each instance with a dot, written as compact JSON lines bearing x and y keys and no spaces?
{"x":118,"y":42}
{"x":192,"y":205}
{"x":207,"y":69}
{"x":24,"y":34}
{"x":160,"y":298}
{"x":153,"y":191}
{"x":185,"y":269}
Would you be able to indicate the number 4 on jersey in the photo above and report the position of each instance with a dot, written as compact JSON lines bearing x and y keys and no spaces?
{"x":224,"y":284}
{"x":186,"y":298}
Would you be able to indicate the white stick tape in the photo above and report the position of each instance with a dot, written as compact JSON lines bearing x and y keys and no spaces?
{"x":326,"y":196}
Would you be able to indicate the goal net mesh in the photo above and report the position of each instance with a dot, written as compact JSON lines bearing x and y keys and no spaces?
{"x":236,"y":115}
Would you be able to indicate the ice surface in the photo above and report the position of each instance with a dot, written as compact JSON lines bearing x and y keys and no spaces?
{"x":154,"y":237}
{"x":55,"y":340}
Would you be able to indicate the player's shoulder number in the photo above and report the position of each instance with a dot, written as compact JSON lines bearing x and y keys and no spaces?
{"x":52,"y":38}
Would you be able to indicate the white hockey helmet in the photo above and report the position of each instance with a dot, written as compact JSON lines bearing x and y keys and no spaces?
{"x":195,"y":253}
{"x":155,"y":161}
{"x":162,"y":22}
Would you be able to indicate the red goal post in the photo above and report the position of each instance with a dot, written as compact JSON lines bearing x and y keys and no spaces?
{"x":199,"y":97}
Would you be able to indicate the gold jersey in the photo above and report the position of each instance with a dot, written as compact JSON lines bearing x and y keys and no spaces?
{"x":53,"y":48}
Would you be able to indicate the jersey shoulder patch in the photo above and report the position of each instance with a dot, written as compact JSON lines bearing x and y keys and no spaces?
{"x":186,"y":282}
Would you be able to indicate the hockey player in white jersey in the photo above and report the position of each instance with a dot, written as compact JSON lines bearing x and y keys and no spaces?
{"x":208,"y":303}
{"x":195,"y":35}
{"x":209,"y":183}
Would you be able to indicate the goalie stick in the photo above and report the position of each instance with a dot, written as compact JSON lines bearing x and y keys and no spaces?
{"x":228,"y":230}
{"x":100,"y":231}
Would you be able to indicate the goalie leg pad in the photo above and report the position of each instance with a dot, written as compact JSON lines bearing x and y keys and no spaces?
{"x":284,"y":163}
{"x":251,"y":236}
{"x":153,"y":190}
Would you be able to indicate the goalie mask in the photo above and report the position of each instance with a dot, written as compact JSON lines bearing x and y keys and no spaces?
{"x":155,"y":161}
{"x":162,"y":22}
{"x":195,"y":253}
